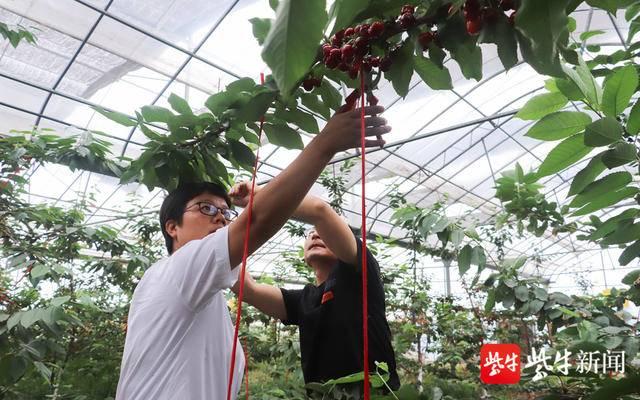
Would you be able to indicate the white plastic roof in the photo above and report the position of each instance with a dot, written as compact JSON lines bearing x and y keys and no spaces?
{"x":124,"y":54}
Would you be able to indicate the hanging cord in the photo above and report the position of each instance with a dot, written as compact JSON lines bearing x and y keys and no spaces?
{"x":365,"y":312}
{"x":244,"y":263}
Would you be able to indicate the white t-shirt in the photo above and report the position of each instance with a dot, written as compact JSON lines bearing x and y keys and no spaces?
{"x":180,"y":334}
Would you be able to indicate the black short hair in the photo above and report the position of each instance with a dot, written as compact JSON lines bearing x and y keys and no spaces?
{"x":174,"y":204}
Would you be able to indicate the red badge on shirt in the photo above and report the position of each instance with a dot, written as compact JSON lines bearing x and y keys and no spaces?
{"x":326,"y":297}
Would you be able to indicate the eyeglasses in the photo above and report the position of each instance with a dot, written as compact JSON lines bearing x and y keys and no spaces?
{"x":211,"y":210}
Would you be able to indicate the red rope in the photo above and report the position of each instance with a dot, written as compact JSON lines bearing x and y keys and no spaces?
{"x":244,"y":262}
{"x":365,"y":312}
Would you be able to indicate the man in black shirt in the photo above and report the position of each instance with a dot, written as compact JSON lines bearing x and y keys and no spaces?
{"x":329,"y":313}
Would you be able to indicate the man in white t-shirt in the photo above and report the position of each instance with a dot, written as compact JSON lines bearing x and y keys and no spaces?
{"x":180,"y":334}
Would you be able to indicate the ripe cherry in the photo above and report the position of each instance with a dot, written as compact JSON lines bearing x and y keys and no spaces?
{"x":335,"y":41}
{"x":308,"y":84}
{"x":385,"y":64}
{"x":340,"y":34}
{"x":425,"y":38}
{"x":407,"y":20}
{"x":408,"y":9}
{"x":326,"y":49}
{"x":347,"y":53}
{"x":474,"y":26}
{"x":343,"y":67}
{"x":374,"y":61}
{"x":349,"y":32}
{"x":376,"y":29}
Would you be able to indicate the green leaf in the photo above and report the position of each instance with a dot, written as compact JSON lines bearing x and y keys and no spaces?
{"x":260,"y":28}
{"x":522,"y":293}
{"x":330,"y":95}
{"x":39,"y":270}
{"x":491,"y":301}
{"x":541,"y":105}
{"x":13,"y":320}
{"x":436,"y":78}
{"x":464,"y":259}
{"x":283,"y":135}
{"x":118,"y":117}
{"x":462,"y":47}
{"x":607,"y":200}
{"x":58,"y":301}
{"x":291,"y":46}
{"x":242,"y":154}
{"x":179,"y":104}
{"x":564,"y":155}
{"x":631,"y":277}
{"x":156,"y":114}
{"x":610,"y":5}
{"x":346,"y":11}
{"x":29,"y":317}
{"x":602,"y":186}
{"x":582,"y":77}
{"x":313,"y":103}
{"x":632,"y":12}
{"x":502,"y":33}
{"x":623,"y":153}
{"x":402,"y":69}
{"x":569,"y":89}
{"x":616,"y":388}
{"x":256,"y":107}
{"x":303,"y":120}
{"x":625,"y":233}
{"x":561,"y":298}
{"x":589,"y":34}
{"x":602,"y":132}
{"x":633,"y":122}
{"x":587,"y":175}
{"x":559,"y":125}
{"x":618,"y":90}
{"x":543,"y":27}
{"x":612,"y":224}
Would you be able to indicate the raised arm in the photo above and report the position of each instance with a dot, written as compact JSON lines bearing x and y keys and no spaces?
{"x":276,"y":202}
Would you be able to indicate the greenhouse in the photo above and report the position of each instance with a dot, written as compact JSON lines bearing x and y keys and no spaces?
{"x":501,"y":208}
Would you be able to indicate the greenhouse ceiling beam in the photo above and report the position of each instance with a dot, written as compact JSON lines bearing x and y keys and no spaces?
{"x":183,"y":66}
{"x":71,"y":61}
{"x":156,"y":37}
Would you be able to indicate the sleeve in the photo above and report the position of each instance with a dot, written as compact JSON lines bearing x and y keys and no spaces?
{"x":292,"y":299}
{"x":201,"y":268}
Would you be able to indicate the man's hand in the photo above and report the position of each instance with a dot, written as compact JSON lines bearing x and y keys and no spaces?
{"x":240,"y":192}
{"x":342,"y":131}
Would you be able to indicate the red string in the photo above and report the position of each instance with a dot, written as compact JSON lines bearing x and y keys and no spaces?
{"x":244,"y":261}
{"x":365,"y":312}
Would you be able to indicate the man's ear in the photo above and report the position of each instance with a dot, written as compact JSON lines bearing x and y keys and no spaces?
{"x":171,"y":226}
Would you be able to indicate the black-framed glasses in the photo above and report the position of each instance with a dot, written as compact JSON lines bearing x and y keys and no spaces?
{"x":211,"y":210}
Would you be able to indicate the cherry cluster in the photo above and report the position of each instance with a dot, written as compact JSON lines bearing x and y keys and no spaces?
{"x":476,"y":16}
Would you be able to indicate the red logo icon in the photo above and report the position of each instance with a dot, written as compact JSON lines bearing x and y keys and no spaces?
{"x":500,"y":364}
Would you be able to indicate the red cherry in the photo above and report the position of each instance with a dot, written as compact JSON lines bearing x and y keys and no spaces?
{"x":335,"y":53}
{"x":425,"y":38}
{"x":385,"y":64}
{"x":374,"y":61}
{"x":343,"y":67}
{"x":349,"y":32}
{"x":347,"y":53}
{"x":474,"y":26}
{"x":326,"y":49}
{"x":408,"y":9}
{"x":307,"y":84}
{"x":364,"y":30}
{"x":339,"y":34}
{"x":336,"y":42}
{"x":407,"y":20}
{"x":331,"y":63}
{"x":376,"y":29}
{"x":357,"y":29}
{"x":361,"y":44}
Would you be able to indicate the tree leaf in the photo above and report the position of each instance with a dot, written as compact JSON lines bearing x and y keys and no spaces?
{"x":436,"y":78}
{"x":610,"y":5}
{"x":522,"y":293}
{"x":589,"y":34}
{"x":156,"y":114}
{"x":503,"y":34}
{"x":462,"y":47}
{"x":587,"y":175}
{"x":622,"y":154}
{"x":313,"y":103}
{"x":283,"y":135}
{"x":583,"y":78}
{"x":256,"y":107}
{"x":602,"y":132}
{"x":563,"y":155}
{"x":559,"y":125}
{"x":464,"y":259}
{"x":631,"y":277}
{"x":58,"y":301}
{"x":541,"y":105}
{"x":260,"y":28}
{"x":633,"y":122}
{"x":116,"y":116}
{"x":291,"y":46}
{"x":179,"y":104}
{"x":330,"y":95}
{"x":491,"y":301}
{"x":604,"y":185}
{"x":543,"y":27}
{"x":402,"y":69}
{"x":618,"y":90}
{"x":625,"y":233}
{"x":303,"y":120}
{"x":346,"y":11}
{"x":569,"y":89}
{"x":606,"y":200}
{"x":243,"y":154}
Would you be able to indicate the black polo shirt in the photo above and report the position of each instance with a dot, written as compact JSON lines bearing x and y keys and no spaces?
{"x":329,"y":317}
